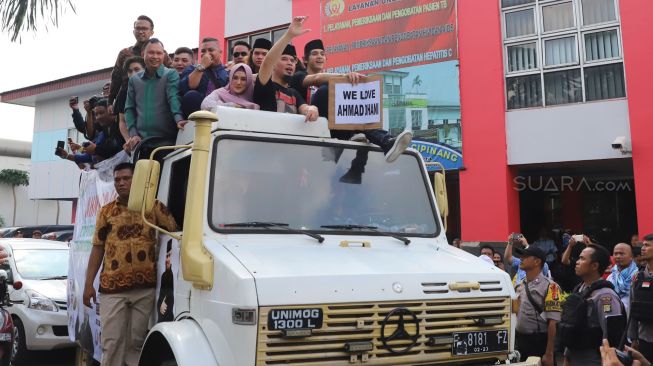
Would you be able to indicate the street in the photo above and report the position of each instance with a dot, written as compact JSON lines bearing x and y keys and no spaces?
{"x":60,"y":357}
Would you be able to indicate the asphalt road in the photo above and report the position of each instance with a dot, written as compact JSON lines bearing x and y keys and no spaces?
{"x":60,"y":357}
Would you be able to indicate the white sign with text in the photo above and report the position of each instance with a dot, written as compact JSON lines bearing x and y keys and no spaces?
{"x":358,"y":104}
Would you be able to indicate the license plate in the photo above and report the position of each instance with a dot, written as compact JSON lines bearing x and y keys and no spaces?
{"x":5,"y":337}
{"x":469,"y":343}
{"x":279,"y":319}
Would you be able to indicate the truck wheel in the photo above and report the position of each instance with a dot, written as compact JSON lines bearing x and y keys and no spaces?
{"x":19,"y":349}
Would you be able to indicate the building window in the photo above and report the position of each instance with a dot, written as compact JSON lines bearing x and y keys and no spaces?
{"x":561,"y":51}
{"x":416,"y":119}
{"x":271,"y":35}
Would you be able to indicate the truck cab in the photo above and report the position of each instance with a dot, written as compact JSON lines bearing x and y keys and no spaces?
{"x":300,"y":249}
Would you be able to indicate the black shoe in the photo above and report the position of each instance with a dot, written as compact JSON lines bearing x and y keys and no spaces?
{"x":352,"y":177}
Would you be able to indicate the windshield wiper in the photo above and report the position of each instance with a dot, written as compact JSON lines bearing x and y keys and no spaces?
{"x":54,"y":278}
{"x":317,"y":237}
{"x":370,"y":228}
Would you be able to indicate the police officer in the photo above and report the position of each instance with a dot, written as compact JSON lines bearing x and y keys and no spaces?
{"x":641,"y":299}
{"x":538,"y":310}
{"x":583,"y":323}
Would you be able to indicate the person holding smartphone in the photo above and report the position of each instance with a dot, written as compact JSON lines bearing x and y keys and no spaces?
{"x":518,"y":241}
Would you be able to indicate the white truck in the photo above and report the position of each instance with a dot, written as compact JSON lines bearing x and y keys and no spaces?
{"x":299,"y":249}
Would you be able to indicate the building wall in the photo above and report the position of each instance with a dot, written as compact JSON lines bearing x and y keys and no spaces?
{"x":240,"y":17}
{"x":489,"y":206}
{"x":636,"y":31}
{"x":52,"y":177}
{"x":29,"y":212}
{"x":566,"y":133}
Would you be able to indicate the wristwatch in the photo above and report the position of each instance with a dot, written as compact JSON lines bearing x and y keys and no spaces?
{"x":200,"y":68}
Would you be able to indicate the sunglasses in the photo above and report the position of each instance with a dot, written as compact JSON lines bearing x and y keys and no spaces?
{"x":239,"y":54}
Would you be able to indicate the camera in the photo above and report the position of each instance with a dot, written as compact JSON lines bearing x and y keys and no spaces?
{"x":93,"y":101}
{"x":578,"y":238}
{"x":515,"y":237}
{"x":58,"y":151}
{"x":622,"y":143}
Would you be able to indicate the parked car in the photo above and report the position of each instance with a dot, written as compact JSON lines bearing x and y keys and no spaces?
{"x":28,"y":230}
{"x":63,"y":236}
{"x":37,"y":270}
{"x":5,"y":230}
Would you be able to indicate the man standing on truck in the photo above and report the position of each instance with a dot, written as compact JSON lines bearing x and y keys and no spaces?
{"x":271,"y":88}
{"x":128,"y":277}
{"x":539,"y":308}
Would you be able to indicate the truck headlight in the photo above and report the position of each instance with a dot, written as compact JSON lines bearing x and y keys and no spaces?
{"x":37,"y":301}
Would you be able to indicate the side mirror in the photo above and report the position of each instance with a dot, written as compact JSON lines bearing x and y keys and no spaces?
{"x":144,"y":185}
{"x":440,"y":192}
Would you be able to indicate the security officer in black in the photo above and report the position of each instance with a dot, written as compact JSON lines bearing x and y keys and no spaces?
{"x":583,"y":324}
{"x":538,"y":310}
{"x":641,"y":300}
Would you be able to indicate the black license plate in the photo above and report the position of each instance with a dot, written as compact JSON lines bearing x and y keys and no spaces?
{"x":469,"y":343}
{"x":279,"y":319}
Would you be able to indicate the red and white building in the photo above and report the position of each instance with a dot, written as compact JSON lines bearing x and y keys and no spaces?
{"x":546,"y":87}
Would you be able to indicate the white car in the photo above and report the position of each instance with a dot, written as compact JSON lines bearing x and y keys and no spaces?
{"x":37,"y":270}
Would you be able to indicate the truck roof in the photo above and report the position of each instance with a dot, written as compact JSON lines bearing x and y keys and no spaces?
{"x":238,"y":119}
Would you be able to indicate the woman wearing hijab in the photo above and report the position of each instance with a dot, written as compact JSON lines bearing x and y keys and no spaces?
{"x":238,"y":93}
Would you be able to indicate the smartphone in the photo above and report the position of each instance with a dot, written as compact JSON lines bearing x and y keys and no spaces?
{"x":615,"y":326}
{"x":578,"y":238}
{"x":60,"y":145}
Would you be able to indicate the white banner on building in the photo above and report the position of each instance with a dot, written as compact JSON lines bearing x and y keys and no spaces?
{"x":95,"y":190}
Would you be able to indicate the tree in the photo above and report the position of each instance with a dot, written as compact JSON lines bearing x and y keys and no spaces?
{"x":24,"y":15}
{"x":13,"y":178}
{"x":417,"y":82}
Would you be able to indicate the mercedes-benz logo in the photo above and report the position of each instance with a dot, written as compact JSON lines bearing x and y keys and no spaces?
{"x":400,"y":333}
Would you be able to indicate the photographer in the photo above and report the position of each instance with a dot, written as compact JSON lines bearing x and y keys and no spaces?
{"x":516,"y":239}
{"x":84,"y":125}
{"x":108,"y":143}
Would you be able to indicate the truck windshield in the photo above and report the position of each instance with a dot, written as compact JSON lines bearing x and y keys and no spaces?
{"x":317,"y":187}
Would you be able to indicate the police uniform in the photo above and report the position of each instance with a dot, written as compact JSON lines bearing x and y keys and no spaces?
{"x":601,"y":302}
{"x":641,"y":324}
{"x":531,"y":337}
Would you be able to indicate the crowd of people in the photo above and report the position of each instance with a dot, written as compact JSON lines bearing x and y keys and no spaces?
{"x":587,"y":305}
{"x":152,"y":94}
{"x":150,"y":97}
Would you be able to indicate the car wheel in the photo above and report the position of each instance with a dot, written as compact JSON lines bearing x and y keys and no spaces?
{"x":19,"y":349}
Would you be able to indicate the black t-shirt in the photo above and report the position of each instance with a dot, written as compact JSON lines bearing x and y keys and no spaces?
{"x":274,"y":97}
{"x":297,"y":83}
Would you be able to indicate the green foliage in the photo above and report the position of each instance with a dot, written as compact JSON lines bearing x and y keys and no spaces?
{"x":24,"y":15}
{"x":14,"y":177}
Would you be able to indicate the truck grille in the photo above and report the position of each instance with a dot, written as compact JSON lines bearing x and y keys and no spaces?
{"x":362,"y":322}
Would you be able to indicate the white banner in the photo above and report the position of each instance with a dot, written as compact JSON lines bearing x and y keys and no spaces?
{"x":95,"y":190}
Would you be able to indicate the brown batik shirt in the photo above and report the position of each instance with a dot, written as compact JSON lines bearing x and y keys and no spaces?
{"x":129,"y":258}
